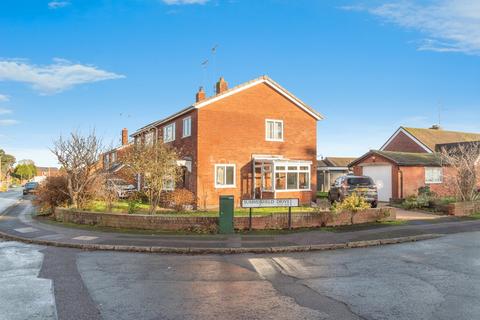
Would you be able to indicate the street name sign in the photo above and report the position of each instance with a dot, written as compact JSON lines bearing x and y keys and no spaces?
{"x":269,"y":203}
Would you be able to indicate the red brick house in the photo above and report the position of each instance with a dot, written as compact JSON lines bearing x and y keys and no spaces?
{"x":256,"y":140}
{"x":111,"y":161}
{"x":409,"y":160}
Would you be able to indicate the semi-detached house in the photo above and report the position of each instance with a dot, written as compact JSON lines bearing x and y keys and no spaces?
{"x":255,"y":140}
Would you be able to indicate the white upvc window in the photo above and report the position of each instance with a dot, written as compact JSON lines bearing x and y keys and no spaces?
{"x":224,"y":176}
{"x":187,"y":127}
{"x":114,"y":157}
{"x":149,"y":137}
{"x":292,"y":177}
{"x":168,"y":184}
{"x":274,"y":130}
{"x":433,"y":174}
{"x":169,"y":132}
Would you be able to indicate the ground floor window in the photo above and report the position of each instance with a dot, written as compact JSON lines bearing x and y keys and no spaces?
{"x":292,"y":177}
{"x":433,"y":174}
{"x":224,"y":176}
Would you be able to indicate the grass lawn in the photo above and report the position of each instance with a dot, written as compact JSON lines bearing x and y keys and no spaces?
{"x":122,"y":207}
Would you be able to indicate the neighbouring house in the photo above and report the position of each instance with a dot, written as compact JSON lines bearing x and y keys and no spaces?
{"x":256,"y":140}
{"x":329,"y":169}
{"x":46,"y":172}
{"x":111,"y":161}
{"x":410,"y":160}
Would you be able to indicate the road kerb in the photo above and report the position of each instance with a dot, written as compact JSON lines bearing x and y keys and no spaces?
{"x":229,"y":250}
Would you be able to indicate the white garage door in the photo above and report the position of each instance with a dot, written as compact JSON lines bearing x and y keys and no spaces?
{"x":382,"y":175}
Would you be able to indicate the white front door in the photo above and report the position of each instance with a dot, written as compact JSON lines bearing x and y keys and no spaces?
{"x":382,"y":176}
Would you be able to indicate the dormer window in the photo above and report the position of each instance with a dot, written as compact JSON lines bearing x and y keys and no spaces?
{"x":274,"y":130}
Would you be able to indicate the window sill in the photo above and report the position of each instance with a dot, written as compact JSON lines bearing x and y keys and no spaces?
{"x":426,"y":182}
{"x":183,"y":137}
{"x":230,"y":186}
{"x":293,"y":190}
{"x":274,"y":140}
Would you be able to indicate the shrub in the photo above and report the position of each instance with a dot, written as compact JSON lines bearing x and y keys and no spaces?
{"x":353,"y":203}
{"x":52,"y":193}
{"x":179,"y":199}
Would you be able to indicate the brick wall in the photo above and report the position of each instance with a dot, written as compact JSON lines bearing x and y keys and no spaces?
{"x":273,"y":221}
{"x":404,"y":144}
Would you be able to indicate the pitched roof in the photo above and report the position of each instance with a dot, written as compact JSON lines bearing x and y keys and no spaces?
{"x":431,"y":137}
{"x":335,"y":161}
{"x":263,"y":79}
{"x":404,"y":158}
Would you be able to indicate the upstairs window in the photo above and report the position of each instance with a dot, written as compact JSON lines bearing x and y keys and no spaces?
{"x":273,"y":130}
{"x":187,"y":127}
{"x":169,"y":132}
{"x":224,"y":176}
{"x":433,"y":175}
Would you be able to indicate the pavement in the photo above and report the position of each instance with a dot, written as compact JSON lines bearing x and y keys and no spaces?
{"x":432,"y":279}
{"x":16,"y":223}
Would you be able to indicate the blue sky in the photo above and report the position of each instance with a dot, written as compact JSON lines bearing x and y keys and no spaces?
{"x":368,"y":66}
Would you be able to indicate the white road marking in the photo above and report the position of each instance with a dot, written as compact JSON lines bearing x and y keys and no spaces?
{"x":26,"y":230}
{"x":264,"y":267}
{"x":22,"y":294}
{"x":289,"y":265}
{"x":85,"y":238}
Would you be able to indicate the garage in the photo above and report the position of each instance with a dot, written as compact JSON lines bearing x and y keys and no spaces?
{"x":382,"y":175}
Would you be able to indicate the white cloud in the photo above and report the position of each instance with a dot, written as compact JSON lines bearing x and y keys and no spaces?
{"x":448,"y":25}
{"x":176,"y":2}
{"x":7,"y":122}
{"x":5,"y":111}
{"x":4,"y":98}
{"x":53,"y":78}
{"x":58,"y":4}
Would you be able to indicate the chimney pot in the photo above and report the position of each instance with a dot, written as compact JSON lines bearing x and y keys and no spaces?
{"x":124,"y":136}
{"x":221,"y":86}
{"x":200,"y":95}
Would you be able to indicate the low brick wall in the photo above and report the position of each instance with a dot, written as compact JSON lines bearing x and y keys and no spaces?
{"x":273,"y":221}
{"x":460,"y":209}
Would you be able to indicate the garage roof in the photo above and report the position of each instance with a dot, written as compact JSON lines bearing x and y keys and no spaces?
{"x":403,"y":158}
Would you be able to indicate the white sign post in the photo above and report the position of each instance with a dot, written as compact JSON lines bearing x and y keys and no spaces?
{"x":270,"y":203}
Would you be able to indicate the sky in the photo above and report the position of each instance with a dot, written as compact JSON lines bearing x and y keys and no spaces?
{"x":367,"y":66}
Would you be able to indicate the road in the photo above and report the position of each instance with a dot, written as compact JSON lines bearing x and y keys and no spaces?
{"x":434,"y":279}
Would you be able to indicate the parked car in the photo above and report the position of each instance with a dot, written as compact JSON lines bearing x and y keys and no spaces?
{"x":121,"y":187}
{"x":348,"y":184}
{"x":30,"y":187}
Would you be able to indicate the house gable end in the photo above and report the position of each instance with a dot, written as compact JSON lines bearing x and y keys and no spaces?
{"x":403,"y":141}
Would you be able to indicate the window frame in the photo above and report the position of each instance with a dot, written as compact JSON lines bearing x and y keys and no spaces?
{"x":434,"y":182}
{"x":275,"y":121}
{"x":225,"y":165}
{"x":297,"y":171}
{"x":150,"y":135}
{"x":189,"y":119}
{"x":165,"y":128}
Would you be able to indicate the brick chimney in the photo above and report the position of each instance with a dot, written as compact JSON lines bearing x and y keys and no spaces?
{"x":200,"y":95}
{"x":221,"y":86}
{"x":124,"y":136}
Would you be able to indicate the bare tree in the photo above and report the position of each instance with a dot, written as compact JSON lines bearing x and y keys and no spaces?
{"x":156,"y":164}
{"x":79,"y":155}
{"x":463,"y":171}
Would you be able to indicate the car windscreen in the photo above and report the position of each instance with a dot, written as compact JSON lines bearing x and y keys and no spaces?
{"x":360,"y":181}
{"x":31,"y":185}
